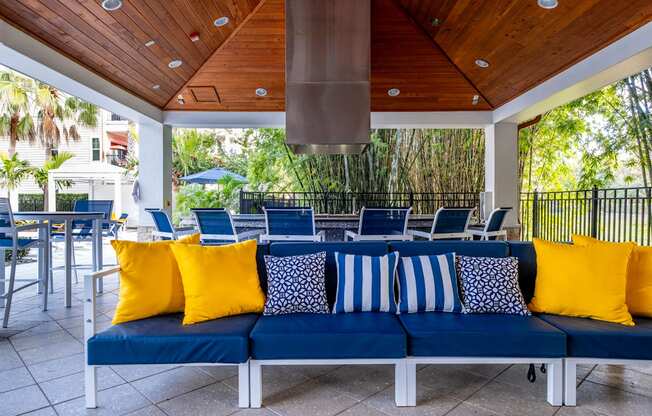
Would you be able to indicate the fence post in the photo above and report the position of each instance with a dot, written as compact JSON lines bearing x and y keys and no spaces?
{"x":241,"y":201}
{"x":594,"y":212}
{"x":411,"y":198}
{"x":535,"y":215}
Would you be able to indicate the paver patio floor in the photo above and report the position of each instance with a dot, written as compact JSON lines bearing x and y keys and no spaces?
{"x":41,"y":373}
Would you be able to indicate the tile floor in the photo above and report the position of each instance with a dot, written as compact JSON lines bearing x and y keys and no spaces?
{"x":41,"y":373}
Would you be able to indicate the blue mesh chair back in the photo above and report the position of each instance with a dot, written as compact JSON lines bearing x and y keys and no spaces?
{"x":214,"y":221}
{"x":451,"y":220}
{"x":496,"y":219}
{"x":85,"y":227}
{"x":7,"y":224}
{"x":383,"y":221}
{"x":290,"y":221}
{"x":161,"y":220}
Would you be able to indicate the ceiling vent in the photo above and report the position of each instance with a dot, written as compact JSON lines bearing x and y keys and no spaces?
{"x":327,"y":68}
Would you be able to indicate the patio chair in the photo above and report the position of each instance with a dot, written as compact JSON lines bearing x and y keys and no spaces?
{"x":82,"y":230}
{"x":164,"y":228}
{"x":382,"y":224}
{"x":10,"y":241}
{"x":290,"y":224}
{"x":216,"y":227}
{"x":449,"y":223}
{"x":493,"y":228}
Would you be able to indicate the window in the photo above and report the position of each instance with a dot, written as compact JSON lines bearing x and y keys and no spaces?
{"x":96,"y":149}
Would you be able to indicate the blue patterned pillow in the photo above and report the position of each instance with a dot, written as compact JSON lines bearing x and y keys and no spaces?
{"x":365,"y":283}
{"x":296,"y":284}
{"x":490,"y":285}
{"x":428,"y":284}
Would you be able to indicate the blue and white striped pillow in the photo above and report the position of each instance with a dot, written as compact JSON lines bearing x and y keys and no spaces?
{"x":365,"y":283}
{"x":428,"y":283}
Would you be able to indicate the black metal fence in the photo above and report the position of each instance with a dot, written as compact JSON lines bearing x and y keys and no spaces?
{"x":351,"y":202}
{"x":615,"y":214}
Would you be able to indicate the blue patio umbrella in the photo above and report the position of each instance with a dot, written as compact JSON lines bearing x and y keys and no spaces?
{"x":212,"y":176}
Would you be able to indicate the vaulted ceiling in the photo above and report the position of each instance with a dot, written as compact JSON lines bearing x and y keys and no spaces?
{"x":425,"y":48}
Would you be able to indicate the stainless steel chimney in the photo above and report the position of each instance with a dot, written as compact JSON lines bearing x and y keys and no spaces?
{"x":327,"y":66}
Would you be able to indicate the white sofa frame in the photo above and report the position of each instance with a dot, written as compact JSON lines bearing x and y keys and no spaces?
{"x":570,"y":373}
{"x":90,"y":328}
{"x":554,"y":371}
{"x":400,"y":375}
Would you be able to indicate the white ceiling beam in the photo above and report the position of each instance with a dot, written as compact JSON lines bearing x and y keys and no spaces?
{"x":627,"y":56}
{"x":34,"y":59}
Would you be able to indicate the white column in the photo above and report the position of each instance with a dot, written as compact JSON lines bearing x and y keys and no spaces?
{"x":117,"y":195}
{"x":52,"y":194}
{"x":501,"y":168}
{"x":154,"y":169}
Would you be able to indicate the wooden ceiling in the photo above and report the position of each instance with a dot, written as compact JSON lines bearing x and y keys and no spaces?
{"x":426,"y":48}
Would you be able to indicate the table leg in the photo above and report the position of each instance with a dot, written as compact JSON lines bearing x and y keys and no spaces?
{"x":2,"y":277}
{"x":97,"y":252}
{"x":41,"y":256}
{"x":45,"y":279}
{"x":68,"y":263}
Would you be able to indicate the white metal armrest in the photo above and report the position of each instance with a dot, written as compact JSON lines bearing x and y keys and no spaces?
{"x":185,"y":231}
{"x":90,"y":292}
{"x":351,"y":234}
{"x":417,"y":233}
{"x":249,"y":234}
{"x":322,"y":235}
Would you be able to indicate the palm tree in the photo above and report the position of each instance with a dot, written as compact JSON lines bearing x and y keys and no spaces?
{"x":54,"y":110}
{"x":41,"y":174}
{"x":16,"y":120}
{"x":13,"y":171}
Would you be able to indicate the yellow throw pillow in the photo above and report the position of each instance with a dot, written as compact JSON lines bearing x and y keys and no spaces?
{"x":639,"y":276}
{"x":584,"y":281}
{"x":191,"y":239}
{"x":150,"y":282}
{"x":219,"y":281}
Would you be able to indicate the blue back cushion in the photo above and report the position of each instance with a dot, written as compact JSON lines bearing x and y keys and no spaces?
{"x":527,"y":266}
{"x":289,"y":221}
{"x":428,"y":283}
{"x":161,"y":221}
{"x":371,"y":248}
{"x":383,"y":221}
{"x":365,"y":283}
{"x":452,"y":220}
{"x":460,"y":248}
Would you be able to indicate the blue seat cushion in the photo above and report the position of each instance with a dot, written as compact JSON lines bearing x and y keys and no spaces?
{"x":7,"y":243}
{"x":164,"y":340}
{"x":461,"y":248}
{"x":441,"y":334}
{"x":599,"y":339}
{"x":328,"y":336}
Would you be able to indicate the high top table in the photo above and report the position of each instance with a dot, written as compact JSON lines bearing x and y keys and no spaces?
{"x":67,"y":218}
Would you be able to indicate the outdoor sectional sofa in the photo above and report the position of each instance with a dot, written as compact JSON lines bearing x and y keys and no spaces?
{"x":252,"y":342}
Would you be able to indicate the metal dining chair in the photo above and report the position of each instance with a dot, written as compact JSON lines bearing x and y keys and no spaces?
{"x":449,"y":223}
{"x":216,"y":227}
{"x":382,"y":224}
{"x":290,"y":224}
{"x":11,"y":241}
{"x":493,"y":228}
{"x":164,"y":230}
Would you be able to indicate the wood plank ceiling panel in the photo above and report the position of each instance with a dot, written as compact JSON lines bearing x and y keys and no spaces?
{"x":112,"y":44}
{"x":430,"y":14}
{"x":403,"y":56}
{"x":524,"y":43}
{"x":253,"y":57}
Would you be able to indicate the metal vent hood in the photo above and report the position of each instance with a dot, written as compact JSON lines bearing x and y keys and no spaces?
{"x":327,"y":67}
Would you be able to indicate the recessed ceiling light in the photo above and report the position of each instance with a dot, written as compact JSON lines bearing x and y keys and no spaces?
{"x":156,"y":87}
{"x":150,"y":43}
{"x":261,"y":92}
{"x":221,"y":21}
{"x":482,"y":63}
{"x":475,"y":100}
{"x":548,"y":4}
{"x":393,"y":92}
{"x":111,"y":5}
{"x":175,"y":63}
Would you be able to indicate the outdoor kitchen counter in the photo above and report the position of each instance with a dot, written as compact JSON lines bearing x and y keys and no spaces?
{"x":334,"y":225}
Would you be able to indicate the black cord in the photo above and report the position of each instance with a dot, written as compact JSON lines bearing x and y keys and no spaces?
{"x":531,"y":374}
